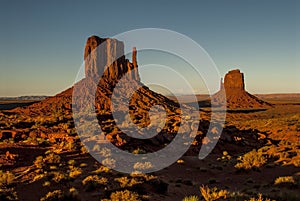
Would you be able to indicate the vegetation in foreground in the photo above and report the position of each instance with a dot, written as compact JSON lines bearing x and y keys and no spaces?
{"x":48,"y":157}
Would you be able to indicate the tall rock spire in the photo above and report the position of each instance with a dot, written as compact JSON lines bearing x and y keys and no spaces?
{"x":134,"y":62}
{"x":221,"y":84}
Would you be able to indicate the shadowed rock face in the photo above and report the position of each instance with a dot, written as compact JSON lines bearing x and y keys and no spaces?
{"x":109,"y":72}
{"x":105,"y":57}
{"x":236,"y":95}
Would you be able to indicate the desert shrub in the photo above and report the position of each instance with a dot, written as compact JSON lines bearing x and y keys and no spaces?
{"x":260,"y":198}
{"x":138,"y":151}
{"x":127,"y":182}
{"x":213,"y":194}
{"x":146,"y":177}
{"x":142,"y":166}
{"x":72,"y":162}
{"x":84,"y":150}
{"x":58,"y":176}
{"x":287,"y":179}
{"x":83,"y":165}
{"x":180,"y":161}
{"x":109,"y":162}
{"x":56,"y":195}
{"x":42,"y":141}
{"x":191,"y":198}
{"x":46,"y":183}
{"x":93,"y":181}
{"x":8,"y":195}
{"x":250,"y":160}
{"x":125,"y":195}
{"x":225,"y":157}
{"x":71,"y":146}
{"x":50,"y":158}
{"x":39,"y":162}
{"x":105,"y":152}
{"x":38,"y":177}
{"x":6,"y":178}
{"x":59,"y":195}
{"x":102,"y":169}
{"x":74,"y":172}
{"x":53,"y":167}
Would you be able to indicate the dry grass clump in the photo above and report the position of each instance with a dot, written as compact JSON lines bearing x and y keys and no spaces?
{"x":140,"y":166}
{"x":211,"y":194}
{"x":59,"y":195}
{"x":260,"y":198}
{"x":58,"y":176}
{"x":38,"y":177}
{"x":109,"y":162}
{"x":282,"y":180}
{"x":127,"y":182}
{"x":6,"y":178}
{"x":125,"y":195}
{"x":94,"y":181}
{"x":75,"y":172}
{"x":101,"y":169}
{"x":191,"y":198}
{"x":50,"y":159}
{"x":145,"y":177}
{"x":285,"y":153}
{"x":250,"y":160}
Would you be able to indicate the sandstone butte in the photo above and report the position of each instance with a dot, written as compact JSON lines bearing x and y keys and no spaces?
{"x":236,"y":95}
{"x":105,"y":61}
{"x":105,"y":66}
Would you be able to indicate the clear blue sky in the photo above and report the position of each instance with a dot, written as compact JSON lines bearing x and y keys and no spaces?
{"x":41,"y":42}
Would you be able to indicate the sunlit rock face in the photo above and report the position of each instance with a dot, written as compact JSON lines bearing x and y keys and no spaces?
{"x":105,"y":57}
{"x":234,"y":80}
{"x":233,"y":92}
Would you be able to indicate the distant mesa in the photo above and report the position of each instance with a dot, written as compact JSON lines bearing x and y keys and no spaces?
{"x":236,"y":95}
{"x":234,"y":81}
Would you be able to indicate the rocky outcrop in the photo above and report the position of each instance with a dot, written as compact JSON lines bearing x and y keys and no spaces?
{"x":104,"y":57}
{"x":105,"y":69}
{"x":110,"y":72}
{"x":236,"y":95}
{"x":234,"y":80}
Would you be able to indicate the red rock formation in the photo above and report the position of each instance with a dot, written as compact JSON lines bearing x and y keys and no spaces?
{"x":234,"y":80}
{"x":236,"y":95}
{"x":105,"y":57}
{"x":106,"y":64}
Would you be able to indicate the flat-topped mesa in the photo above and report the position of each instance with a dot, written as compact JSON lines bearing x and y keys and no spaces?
{"x":234,"y":81}
{"x":108,"y":54}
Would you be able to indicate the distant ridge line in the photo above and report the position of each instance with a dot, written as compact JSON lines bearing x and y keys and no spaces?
{"x":33,"y":98}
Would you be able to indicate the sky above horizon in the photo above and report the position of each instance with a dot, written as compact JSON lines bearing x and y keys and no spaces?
{"x":42,"y":42}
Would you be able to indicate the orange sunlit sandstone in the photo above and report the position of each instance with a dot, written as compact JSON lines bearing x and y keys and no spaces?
{"x":236,"y":95}
{"x":42,"y":147}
